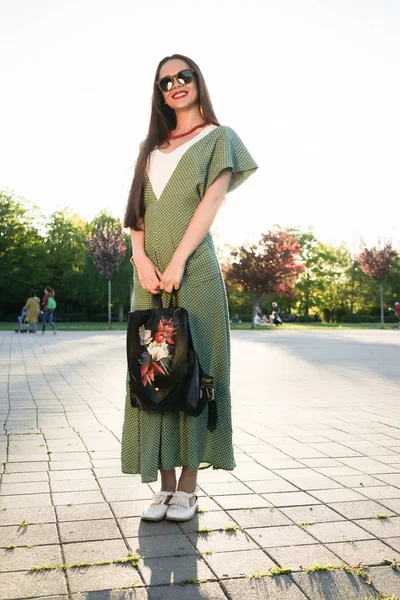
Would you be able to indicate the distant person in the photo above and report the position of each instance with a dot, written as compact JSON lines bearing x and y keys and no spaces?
{"x":274,"y":317}
{"x":256,"y":320}
{"x":48,"y":305}
{"x":32,"y":307}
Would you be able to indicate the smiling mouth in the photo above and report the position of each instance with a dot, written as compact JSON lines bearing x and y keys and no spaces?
{"x":179,"y":95}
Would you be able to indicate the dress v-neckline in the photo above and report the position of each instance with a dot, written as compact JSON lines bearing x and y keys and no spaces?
{"x":194,"y":139}
{"x":162,"y":166}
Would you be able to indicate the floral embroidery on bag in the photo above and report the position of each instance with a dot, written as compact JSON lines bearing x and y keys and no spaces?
{"x":157,"y":356}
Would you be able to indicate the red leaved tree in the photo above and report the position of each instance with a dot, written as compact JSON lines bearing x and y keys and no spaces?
{"x":269,"y":267}
{"x":376,"y":263}
{"x":107,"y":249}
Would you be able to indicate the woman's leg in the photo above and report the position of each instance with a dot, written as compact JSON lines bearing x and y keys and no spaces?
{"x":188,"y":480}
{"x":168,"y":480}
{"x":34,"y":326}
{"x":51,"y":321}
{"x":44,"y":320}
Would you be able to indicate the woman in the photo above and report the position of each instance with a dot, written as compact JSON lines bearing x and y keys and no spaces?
{"x":32,"y":310}
{"x":186,"y":165}
{"x":48,"y":306}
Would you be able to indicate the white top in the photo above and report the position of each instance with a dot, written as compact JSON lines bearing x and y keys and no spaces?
{"x":162,"y":165}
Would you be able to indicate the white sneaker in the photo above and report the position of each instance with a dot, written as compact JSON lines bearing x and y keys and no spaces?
{"x":182,"y":506}
{"x":157,"y":510}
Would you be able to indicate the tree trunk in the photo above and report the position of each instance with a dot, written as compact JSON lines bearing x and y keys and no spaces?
{"x":381,"y":299}
{"x":121,"y":313}
{"x":109,"y":303}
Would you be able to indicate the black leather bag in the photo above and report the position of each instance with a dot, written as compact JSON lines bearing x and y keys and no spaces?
{"x":164,"y":371}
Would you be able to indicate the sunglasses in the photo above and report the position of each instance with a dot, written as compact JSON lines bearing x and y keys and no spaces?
{"x":183,"y":78}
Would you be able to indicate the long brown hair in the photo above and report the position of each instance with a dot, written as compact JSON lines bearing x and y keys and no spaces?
{"x":162,"y":121}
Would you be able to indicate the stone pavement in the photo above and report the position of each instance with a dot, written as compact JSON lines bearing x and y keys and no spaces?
{"x":317,"y":482}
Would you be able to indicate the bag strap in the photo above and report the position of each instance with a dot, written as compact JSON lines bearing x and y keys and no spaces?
{"x":173,"y":300}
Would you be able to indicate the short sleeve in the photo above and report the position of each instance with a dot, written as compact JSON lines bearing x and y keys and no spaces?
{"x":230,"y":153}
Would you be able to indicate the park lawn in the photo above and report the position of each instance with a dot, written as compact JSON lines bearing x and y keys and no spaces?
{"x":89,"y":326}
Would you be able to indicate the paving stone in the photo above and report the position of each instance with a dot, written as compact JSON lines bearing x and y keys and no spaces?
{"x":65,"y":475}
{"x":132,"y":594}
{"x":142,"y":492}
{"x":240,"y":563}
{"x":382,"y":528}
{"x":22,"y":501}
{"x":79,"y":531}
{"x":339,"y":531}
{"x":333,"y":585}
{"x":210,"y":520}
{"x":28,"y":487}
{"x":259,"y":517}
{"x":65,"y":498}
{"x":31,"y":585}
{"x":369,"y":552}
{"x":94,"y":551}
{"x":161,"y":546}
{"x":287,"y":535}
{"x":24,"y":477}
{"x":393,"y":542}
{"x":105,"y":577}
{"x":215,"y":476}
{"x":360,"y":481}
{"x":135,"y":527}
{"x":208,"y":504}
{"x":70,"y":465}
{"x":318,"y":513}
{"x":339,"y":495}
{"x":252,"y":472}
{"x":381,"y":492}
{"x":226,"y":489}
{"x":14,"y":516}
{"x":74,"y":485}
{"x":392,"y":479}
{"x":84,"y":512}
{"x":23,"y":559}
{"x":244,"y":501}
{"x":174,"y":570}
{"x":205,"y":591}
{"x":264,"y":588}
{"x":300,"y":557}
{"x":366,"y":509}
{"x":392,"y":504}
{"x":387,"y":581}
{"x":222,"y":541}
{"x":367,"y":465}
{"x":290,"y":499}
{"x":126,"y":508}
{"x":31,"y":534}
{"x":271,"y":486}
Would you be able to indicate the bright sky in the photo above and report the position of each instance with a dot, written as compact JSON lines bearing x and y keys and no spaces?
{"x":313,"y":89}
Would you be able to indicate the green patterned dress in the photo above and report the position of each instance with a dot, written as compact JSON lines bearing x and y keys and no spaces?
{"x":174,"y":186}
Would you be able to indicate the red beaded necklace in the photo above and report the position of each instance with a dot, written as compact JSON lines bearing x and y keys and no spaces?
{"x":181,"y":135}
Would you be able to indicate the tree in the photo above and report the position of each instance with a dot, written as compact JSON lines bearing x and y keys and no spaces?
{"x":376,"y":263}
{"x":66,"y":253}
{"x":107,"y":249}
{"x":269,"y":267}
{"x":22,"y":252}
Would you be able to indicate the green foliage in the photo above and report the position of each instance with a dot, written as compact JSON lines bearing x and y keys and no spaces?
{"x":36,"y":251}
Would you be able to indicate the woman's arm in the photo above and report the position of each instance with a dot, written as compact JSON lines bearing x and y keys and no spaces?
{"x":149,"y":275}
{"x":197,"y":229}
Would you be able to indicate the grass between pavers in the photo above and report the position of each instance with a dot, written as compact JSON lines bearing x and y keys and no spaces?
{"x":360,"y":570}
{"x":88,"y":326}
{"x":133,"y":559}
{"x":395,"y":564}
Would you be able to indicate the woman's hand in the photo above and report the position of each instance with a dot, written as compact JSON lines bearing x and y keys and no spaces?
{"x":149,"y":275}
{"x":172,"y":277}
